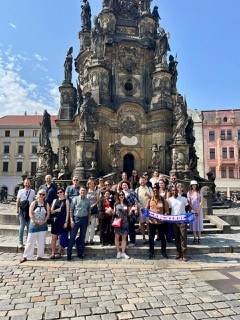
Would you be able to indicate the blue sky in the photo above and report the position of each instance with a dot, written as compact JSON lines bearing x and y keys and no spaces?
{"x":36,"y":34}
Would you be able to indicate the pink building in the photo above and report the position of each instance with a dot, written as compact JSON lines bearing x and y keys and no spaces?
{"x":221,"y":148}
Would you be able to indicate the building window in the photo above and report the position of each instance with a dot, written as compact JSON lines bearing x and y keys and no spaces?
{"x":6,"y":148}
{"x":231,"y":172}
{"x":20,"y":149}
{"x":229,"y":134}
{"x":33,"y":168}
{"x":35,"y":133}
{"x":212,"y":153}
{"x":211,"y":135}
{"x":34,"y":149}
{"x":238,"y":134}
{"x":21,"y":133}
{"x":213,"y":170}
{"x":19,"y":166}
{"x":7,"y":133}
{"x":231,"y":153}
{"x":5,"y":166}
{"x":225,"y":119}
{"x":222,"y":135}
{"x":224,"y":153}
{"x":223,"y":173}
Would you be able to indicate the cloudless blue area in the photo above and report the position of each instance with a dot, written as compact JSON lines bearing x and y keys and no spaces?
{"x":204,"y":34}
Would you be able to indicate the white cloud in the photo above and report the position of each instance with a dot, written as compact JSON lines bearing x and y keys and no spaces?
{"x":12,"y":25}
{"x":17,"y":94}
{"x":38,"y":57}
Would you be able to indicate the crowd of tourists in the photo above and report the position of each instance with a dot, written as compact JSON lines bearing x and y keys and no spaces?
{"x":75,"y":214}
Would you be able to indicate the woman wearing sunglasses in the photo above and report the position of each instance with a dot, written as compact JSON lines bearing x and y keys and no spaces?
{"x":60,"y":216}
{"x":122,"y":210}
{"x":39,"y":213}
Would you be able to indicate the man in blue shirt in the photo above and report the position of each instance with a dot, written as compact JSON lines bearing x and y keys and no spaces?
{"x":80,"y":211}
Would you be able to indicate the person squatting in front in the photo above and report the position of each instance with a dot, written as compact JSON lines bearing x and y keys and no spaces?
{"x":80,"y":211}
{"x":159,"y":205}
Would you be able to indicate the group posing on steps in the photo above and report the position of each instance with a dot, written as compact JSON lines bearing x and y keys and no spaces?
{"x":77,"y":212}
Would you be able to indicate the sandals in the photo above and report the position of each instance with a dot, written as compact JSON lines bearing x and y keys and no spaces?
{"x":52,"y":256}
{"x":58,"y":255}
{"x":199,"y":241}
{"x":195,"y":240}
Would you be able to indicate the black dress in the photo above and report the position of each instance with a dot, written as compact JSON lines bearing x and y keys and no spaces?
{"x":59,"y":218}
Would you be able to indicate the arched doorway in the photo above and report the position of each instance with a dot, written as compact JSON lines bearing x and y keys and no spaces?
{"x":128,"y":164}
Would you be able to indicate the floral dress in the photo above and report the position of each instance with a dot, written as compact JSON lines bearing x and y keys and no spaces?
{"x":195,"y":199}
{"x":122,"y":212}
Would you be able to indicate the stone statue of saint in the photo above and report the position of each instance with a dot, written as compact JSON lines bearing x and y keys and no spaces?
{"x":64,"y":157}
{"x":45,"y":129}
{"x":68,"y":66}
{"x":97,"y":40}
{"x":162,"y":47}
{"x":172,"y":67}
{"x":88,"y":116}
{"x":180,"y":119}
{"x":156,"y":15}
{"x":156,"y":149}
{"x":86,"y":16}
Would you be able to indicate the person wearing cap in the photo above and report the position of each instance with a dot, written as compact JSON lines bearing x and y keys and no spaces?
{"x":177,"y":205}
{"x":195,"y":199}
{"x":148,"y":183}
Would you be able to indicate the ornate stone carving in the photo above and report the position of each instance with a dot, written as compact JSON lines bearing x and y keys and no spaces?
{"x":180,"y":159}
{"x":127,"y":9}
{"x":130,"y":85}
{"x":173,"y":70}
{"x":146,"y":28}
{"x":114,"y":154}
{"x":156,"y":156}
{"x":129,"y":58}
{"x":45,"y":130}
{"x":97,"y":46}
{"x":64,"y":157}
{"x":129,"y":122}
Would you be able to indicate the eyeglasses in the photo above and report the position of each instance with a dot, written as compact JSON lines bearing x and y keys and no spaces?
{"x":59,"y":192}
{"x":42,"y":194}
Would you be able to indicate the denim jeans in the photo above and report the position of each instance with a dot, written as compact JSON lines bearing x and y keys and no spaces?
{"x":80,"y":224}
{"x":22,"y":226}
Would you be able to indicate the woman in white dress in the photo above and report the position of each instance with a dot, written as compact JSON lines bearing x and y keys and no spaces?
{"x":195,"y":200}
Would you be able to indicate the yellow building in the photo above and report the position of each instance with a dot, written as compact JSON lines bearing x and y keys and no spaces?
{"x":19,"y":140}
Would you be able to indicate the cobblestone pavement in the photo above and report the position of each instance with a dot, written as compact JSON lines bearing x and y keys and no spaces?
{"x":206,"y":287}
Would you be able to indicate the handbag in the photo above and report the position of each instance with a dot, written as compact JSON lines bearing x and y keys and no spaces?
{"x":117,"y":223}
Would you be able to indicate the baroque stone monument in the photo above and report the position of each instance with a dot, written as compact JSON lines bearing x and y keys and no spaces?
{"x":125,"y":111}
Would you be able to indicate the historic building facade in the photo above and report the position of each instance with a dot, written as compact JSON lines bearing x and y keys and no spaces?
{"x":221,"y":136}
{"x":19,"y":141}
{"x":125,"y":111}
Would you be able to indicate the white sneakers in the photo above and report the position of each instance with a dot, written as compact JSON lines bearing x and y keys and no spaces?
{"x":122,"y":255}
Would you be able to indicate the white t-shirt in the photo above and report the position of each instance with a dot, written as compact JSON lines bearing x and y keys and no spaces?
{"x":154,"y":180}
{"x":177,"y":205}
{"x":24,"y":194}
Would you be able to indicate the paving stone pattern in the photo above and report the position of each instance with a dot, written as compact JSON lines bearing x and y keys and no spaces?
{"x":111,"y":289}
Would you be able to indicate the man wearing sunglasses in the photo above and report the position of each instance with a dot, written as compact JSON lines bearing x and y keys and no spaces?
{"x":73,"y":190}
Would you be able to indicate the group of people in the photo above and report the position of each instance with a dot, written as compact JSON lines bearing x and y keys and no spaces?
{"x":113,"y":209}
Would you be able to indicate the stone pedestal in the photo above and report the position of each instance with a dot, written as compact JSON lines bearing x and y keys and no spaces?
{"x":180,"y":157}
{"x":86,"y":158}
{"x":68,"y":96}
